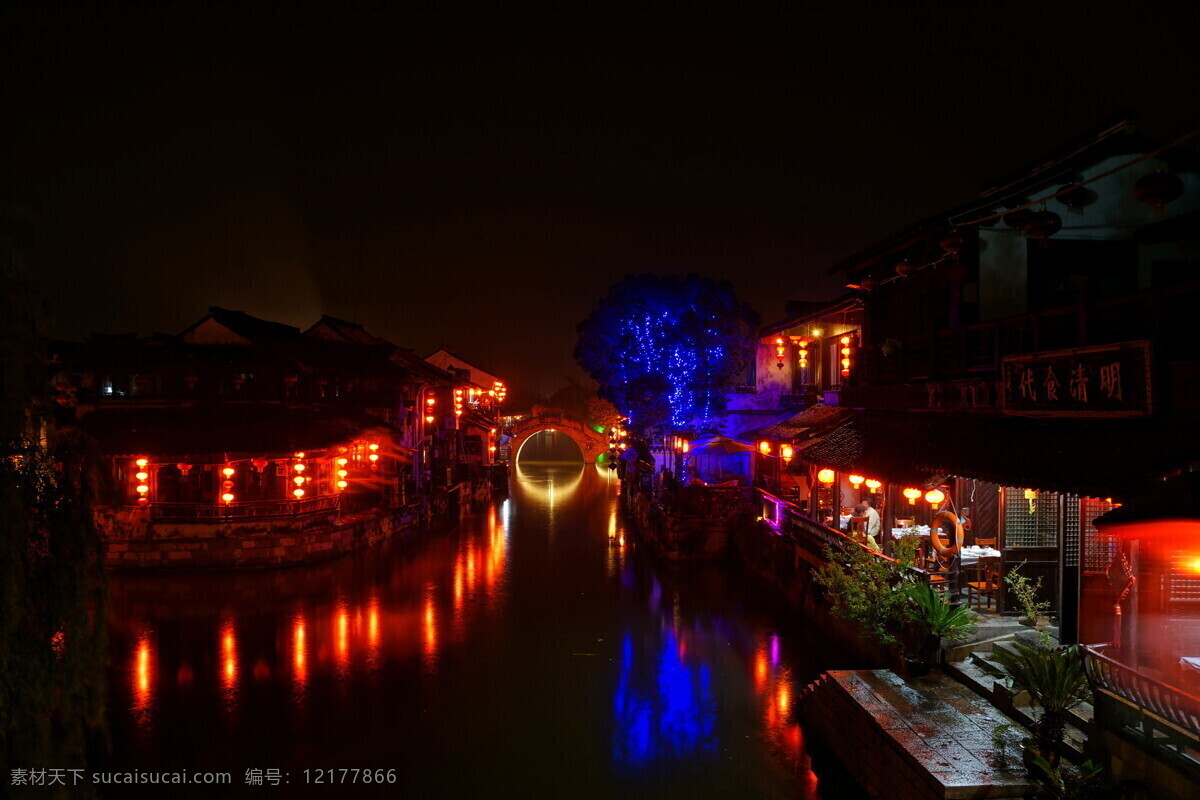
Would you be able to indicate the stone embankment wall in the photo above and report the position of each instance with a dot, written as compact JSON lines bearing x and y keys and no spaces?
{"x":679,"y":537}
{"x":135,"y":541}
{"x":257,"y":544}
{"x":786,"y":568}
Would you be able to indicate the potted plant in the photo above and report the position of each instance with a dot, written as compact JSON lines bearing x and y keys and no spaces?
{"x":1056,"y":682}
{"x":935,"y":619}
{"x":1026,"y":593}
{"x":867,"y":591}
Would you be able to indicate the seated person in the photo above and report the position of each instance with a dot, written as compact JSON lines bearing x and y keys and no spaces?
{"x":864,"y":533}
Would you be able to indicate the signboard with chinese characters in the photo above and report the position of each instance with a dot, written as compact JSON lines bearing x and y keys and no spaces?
{"x":1103,"y":381}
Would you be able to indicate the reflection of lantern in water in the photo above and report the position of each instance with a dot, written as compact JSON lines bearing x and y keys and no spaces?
{"x":229,"y":659}
{"x":373,"y":624}
{"x":430,"y":624}
{"x":342,"y":640}
{"x":143,"y":677}
{"x":299,"y":650}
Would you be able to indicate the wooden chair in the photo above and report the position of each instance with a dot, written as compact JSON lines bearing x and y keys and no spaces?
{"x":986,"y":583}
{"x":986,"y":543}
{"x":938,"y":571}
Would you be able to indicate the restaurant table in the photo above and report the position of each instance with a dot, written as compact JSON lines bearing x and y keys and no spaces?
{"x":900,"y":533}
{"x":971,"y":555}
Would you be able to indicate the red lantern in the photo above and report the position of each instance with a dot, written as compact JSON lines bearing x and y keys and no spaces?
{"x":1018,"y":219}
{"x":183,"y":468}
{"x":191,"y":381}
{"x":1074,"y":196}
{"x":954,"y":242}
{"x":1043,"y":224}
{"x":260,"y":463}
{"x":904,"y":268}
{"x":238,"y":383}
{"x":1158,"y":188}
{"x":868,"y":284}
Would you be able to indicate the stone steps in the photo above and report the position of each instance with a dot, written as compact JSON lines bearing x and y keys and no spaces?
{"x":914,"y":738}
{"x":987,"y":679}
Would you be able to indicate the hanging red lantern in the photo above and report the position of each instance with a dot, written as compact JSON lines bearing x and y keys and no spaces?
{"x":954,"y":241}
{"x":904,"y":268}
{"x":238,"y":383}
{"x":1158,"y":188}
{"x":1018,"y":219}
{"x":183,"y":468}
{"x":868,"y":284}
{"x":191,"y":380}
{"x":1074,"y":196}
{"x":260,"y":463}
{"x":291,"y":380}
{"x":1043,"y":224}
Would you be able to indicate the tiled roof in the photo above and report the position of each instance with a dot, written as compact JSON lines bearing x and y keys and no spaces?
{"x":809,"y":422}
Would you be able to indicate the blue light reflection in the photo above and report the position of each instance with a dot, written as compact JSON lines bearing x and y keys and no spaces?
{"x":663,"y":708}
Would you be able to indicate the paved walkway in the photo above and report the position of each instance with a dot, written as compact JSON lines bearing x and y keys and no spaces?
{"x":914,"y":738}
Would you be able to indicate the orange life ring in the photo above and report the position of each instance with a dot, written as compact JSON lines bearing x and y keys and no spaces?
{"x":935,"y":534}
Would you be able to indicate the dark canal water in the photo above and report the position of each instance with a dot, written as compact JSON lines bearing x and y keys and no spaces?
{"x":533,"y":651}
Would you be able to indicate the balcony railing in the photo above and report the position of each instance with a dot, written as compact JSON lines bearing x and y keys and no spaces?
{"x":264,"y":509}
{"x":786,"y":519}
{"x":711,"y":502}
{"x":1173,"y":705}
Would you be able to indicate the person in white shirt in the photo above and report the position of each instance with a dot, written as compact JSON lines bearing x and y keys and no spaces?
{"x":873,"y":523}
{"x":867,"y":515}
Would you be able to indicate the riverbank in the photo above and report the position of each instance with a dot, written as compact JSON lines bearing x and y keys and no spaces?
{"x":136,"y":540}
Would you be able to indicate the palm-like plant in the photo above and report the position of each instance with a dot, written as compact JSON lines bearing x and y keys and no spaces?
{"x":938,"y":617}
{"x":1055,"y":680}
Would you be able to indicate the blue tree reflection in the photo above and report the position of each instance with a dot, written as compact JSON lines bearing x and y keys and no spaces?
{"x":663,"y":708}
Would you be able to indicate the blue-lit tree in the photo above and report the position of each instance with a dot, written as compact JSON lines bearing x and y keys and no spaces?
{"x":666,"y":348}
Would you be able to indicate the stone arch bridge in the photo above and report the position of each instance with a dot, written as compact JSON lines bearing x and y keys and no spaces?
{"x":590,"y":442}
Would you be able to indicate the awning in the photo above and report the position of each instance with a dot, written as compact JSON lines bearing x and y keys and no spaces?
{"x":808,"y":423}
{"x":1100,"y":457}
{"x":225,"y":431}
{"x":858,"y":444}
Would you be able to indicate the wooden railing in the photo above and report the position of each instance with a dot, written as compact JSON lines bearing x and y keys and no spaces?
{"x":712,"y":502}
{"x":1171,"y":704}
{"x":266,"y":509}
{"x":786,"y":519}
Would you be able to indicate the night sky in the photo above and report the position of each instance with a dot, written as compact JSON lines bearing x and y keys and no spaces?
{"x":480,"y":181}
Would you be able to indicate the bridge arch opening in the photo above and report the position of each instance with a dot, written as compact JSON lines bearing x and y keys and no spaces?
{"x":550,"y":445}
